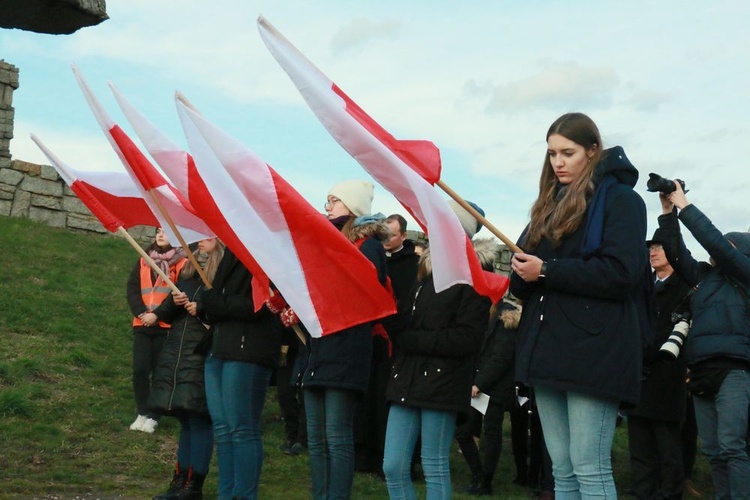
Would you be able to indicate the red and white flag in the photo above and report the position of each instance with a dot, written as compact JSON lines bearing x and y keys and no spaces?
{"x":328,"y":282}
{"x":111,"y":196}
{"x":407,"y":169}
{"x":146,"y":178}
{"x":179,"y":166}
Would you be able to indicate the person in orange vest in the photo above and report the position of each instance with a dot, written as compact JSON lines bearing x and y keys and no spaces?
{"x":145,"y":292}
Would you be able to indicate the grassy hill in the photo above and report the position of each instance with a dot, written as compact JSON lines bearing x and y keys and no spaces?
{"x":65,"y":388}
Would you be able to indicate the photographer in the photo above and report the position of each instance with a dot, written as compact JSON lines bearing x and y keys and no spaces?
{"x":654,"y":437}
{"x":718,"y":346}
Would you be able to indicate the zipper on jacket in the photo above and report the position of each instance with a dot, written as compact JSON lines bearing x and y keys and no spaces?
{"x":179,"y":357}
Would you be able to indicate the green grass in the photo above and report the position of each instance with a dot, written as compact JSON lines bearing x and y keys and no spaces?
{"x":65,"y":390}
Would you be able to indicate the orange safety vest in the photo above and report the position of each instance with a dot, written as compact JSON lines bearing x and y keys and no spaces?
{"x":154,"y":293}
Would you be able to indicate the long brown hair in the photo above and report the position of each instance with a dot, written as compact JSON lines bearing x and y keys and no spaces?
{"x":554,"y":218}
{"x":210,"y":265}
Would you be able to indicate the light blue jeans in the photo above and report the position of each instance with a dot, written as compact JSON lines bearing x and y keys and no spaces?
{"x":723,"y":428}
{"x":330,"y":441}
{"x":436,"y":429}
{"x":236,"y":393}
{"x":579,"y":430}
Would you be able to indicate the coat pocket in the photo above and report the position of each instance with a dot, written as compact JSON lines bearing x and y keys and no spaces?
{"x":590,"y":315}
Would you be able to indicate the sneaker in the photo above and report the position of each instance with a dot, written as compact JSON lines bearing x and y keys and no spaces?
{"x":138,"y":424}
{"x":149,"y":425}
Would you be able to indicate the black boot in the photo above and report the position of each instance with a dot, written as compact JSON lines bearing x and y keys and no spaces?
{"x":193,"y":489}
{"x":472,"y":487}
{"x":178,"y":481}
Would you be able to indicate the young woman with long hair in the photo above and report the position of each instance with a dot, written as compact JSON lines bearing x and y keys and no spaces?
{"x":582,"y":280}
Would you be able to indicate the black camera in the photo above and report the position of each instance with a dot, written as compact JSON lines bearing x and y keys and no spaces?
{"x":658,"y":184}
{"x":670,"y":350}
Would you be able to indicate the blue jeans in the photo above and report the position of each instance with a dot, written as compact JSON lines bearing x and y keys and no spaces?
{"x":723,"y":428}
{"x":236,"y":393}
{"x":196,"y":442}
{"x":330,"y":441}
{"x":578,"y":430}
{"x":436,"y":429}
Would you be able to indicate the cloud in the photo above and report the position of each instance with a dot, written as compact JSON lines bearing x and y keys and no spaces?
{"x":563,"y":86}
{"x":359,"y":32}
{"x":648,"y":100}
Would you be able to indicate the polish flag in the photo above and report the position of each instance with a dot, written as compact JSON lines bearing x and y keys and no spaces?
{"x":328,"y":282}
{"x":154,"y":189}
{"x":179,"y":166}
{"x":111,"y":196}
{"x":407,"y":169}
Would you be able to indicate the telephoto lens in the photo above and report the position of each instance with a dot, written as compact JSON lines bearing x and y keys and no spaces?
{"x":670,"y":350}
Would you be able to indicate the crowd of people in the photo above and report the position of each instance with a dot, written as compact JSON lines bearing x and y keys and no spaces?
{"x":599,"y":324}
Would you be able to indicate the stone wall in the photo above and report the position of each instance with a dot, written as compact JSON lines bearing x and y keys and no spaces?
{"x":38,"y":193}
{"x":8,"y":83}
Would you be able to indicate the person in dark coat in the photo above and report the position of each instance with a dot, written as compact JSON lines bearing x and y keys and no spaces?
{"x":583,"y":280}
{"x":178,"y":388}
{"x":334,"y":370}
{"x":402,"y":259}
{"x":145,"y":291}
{"x":718,"y":344}
{"x":654,"y":426}
{"x":244,"y":349}
{"x":436,"y":337}
{"x":495,"y":377}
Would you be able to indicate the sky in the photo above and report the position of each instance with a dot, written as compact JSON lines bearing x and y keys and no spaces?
{"x":482,"y":80}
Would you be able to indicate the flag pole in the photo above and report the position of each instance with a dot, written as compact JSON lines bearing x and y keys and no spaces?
{"x":479,"y":217}
{"x":148,"y":259}
{"x":184,"y":244}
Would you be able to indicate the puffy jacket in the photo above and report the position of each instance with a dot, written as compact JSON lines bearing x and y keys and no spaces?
{"x":178,"y":383}
{"x":239,"y":333}
{"x":582,"y":326}
{"x":436,"y":338}
{"x":720,"y":325}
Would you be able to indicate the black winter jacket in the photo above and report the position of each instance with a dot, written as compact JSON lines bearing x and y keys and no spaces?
{"x":581,"y":327}
{"x":720,"y":327}
{"x":342,"y":360}
{"x":496,"y":368}
{"x":178,"y":383}
{"x":402,"y":269}
{"x":239,"y":333}
{"x":663,"y":390}
{"x":436,"y":339}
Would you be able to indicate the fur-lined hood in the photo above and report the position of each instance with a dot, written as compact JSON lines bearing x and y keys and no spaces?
{"x":377,"y":230}
{"x":487,"y":250}
{"x":510,"y":315}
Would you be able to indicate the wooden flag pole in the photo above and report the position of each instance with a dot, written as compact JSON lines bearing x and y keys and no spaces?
{"x":184,"y":244}
{"x":515,"y":248}
{"x":148,"y":259}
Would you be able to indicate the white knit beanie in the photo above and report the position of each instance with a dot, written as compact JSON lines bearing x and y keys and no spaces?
{"x":356,"y":195}
{"x":468,"y":222}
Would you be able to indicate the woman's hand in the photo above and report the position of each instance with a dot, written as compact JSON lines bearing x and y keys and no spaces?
{"x":192,"y":308}
{"x":677,"y":197}
{"x":475,"y":391}
{"x":149,"y":319}
{"x":180,"y":298}
{"x":527,"y":267}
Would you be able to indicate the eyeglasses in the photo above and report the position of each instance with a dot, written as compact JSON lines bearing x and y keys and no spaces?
{"x":330,"y":203}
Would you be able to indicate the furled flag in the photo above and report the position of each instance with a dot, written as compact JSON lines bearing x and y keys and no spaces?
{"x":179,"y":166}
{"x":407,"y":169}
{"x":328,"y":282}
{"x":111,"y":196}
{"x":147,"y":179}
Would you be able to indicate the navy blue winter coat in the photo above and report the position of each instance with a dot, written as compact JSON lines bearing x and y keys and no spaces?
{"x":720,"y":325}
{"x":581,"y":326}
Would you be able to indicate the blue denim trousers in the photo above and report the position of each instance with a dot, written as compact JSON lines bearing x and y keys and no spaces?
{"x":436,"y":428}
{"x":236,"y":393}
{"x":578,"y":430}
{"x":196,"y":443}
{"x":330,"y":441}
{"x":723,"y":428}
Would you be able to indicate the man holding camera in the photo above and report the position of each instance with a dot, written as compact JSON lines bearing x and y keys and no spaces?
{"x":718,"y":346}
{"x":654,"y":437}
